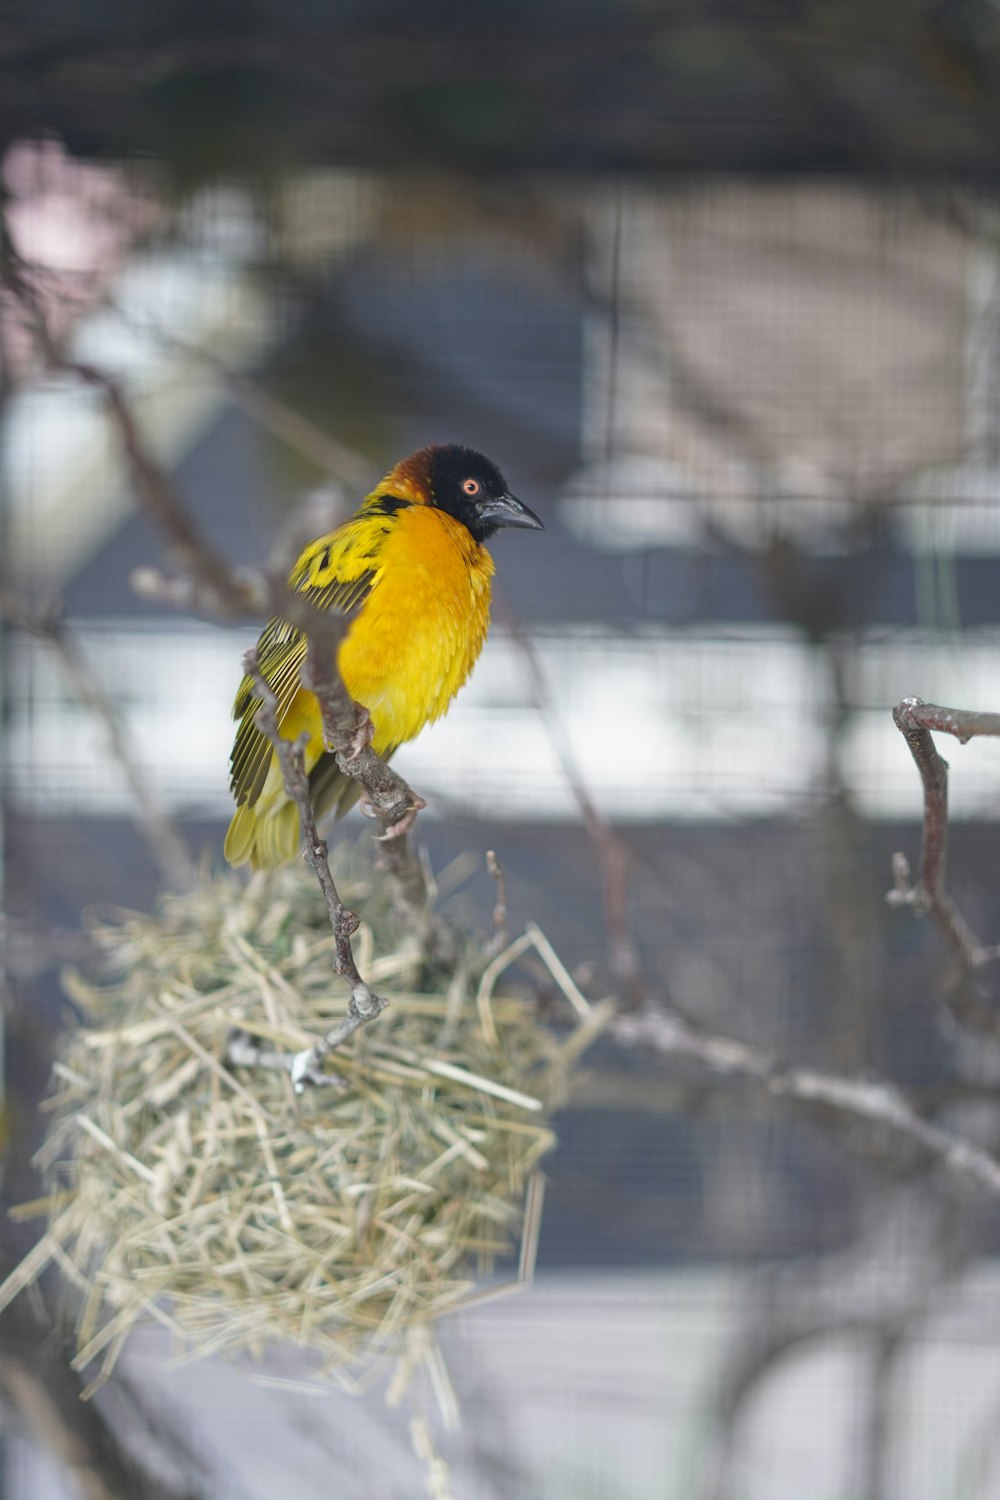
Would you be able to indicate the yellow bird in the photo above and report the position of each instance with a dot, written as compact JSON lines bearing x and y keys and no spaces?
{"x":411,"y":572}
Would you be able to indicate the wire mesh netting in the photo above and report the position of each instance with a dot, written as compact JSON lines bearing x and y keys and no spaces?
{"x":760,"y":423}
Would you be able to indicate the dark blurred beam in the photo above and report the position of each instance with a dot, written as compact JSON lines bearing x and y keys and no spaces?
{"x":898,"y":89}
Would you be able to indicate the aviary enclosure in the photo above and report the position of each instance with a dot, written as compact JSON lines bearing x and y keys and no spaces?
{"x":638,"y":1133}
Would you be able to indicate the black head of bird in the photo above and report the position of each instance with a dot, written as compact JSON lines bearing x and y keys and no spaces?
{"x":471,"y":488}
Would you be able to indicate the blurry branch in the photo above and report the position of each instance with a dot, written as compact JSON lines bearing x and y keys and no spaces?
{"x":929,"y":897}
{"x":37,"y":1381}
{"x":887,"y":1345}
{"x":864,"y":1292}
{"x":878,"y":1102}
{"x":219,"y":589}
{"x":306,"y":1067}
{"x":612,"y":854}
{"x":283,"y":422}
{"x":143,"y":1457}
{"x":266,"y":409}
{"x":500,"y":937}
{"x":744,"y":1374}
{"x":48,"y":624}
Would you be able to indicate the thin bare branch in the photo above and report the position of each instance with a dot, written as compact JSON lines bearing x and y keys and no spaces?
{"x":347,"y":733}
{"x":612,"y":853}
{"x":500,"y":937}
{"x":49,"y":624}
{"x":264,"y":408}
{"x":964,"y":723}
{"x":878,"y":1102}
{"x":929,"y":897}
{"x":364,"y":1005}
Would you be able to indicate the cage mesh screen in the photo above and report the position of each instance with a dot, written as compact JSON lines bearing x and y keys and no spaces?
{"x":761,"y":426}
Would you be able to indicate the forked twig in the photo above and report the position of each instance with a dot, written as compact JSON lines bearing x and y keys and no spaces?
{"x":929,"y":897}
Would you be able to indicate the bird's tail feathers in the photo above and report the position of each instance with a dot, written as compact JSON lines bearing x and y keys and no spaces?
{"x":268,"y":837}
{"x":263,"y":841}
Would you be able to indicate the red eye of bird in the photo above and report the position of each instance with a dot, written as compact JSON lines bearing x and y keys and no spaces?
{"x":471,"y":486}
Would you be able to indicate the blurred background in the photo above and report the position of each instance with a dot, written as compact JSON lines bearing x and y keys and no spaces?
{"x":718,"y":288}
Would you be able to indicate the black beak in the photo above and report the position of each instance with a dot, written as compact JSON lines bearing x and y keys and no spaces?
{"x":507,"y":510}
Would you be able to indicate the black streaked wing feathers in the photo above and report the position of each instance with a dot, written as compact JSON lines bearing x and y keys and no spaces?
{"x":281,"y":651}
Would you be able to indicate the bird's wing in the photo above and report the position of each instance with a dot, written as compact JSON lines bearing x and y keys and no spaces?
{"x":336,"y":572}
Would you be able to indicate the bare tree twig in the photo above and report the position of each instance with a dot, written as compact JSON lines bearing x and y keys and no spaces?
{"x":48,"y":623}
{"x":744,"y":1374}
{"x":915,"y":719}
{"x":878,"y":1102}
{"x":363,"y":1006}
{"x":964,"y":723}
{"x":347,"y":732}
{"x":264,"y":408}
{"x":246,"y":1051}
{"x":189,"y":552}
{"x":612,"y":853}
{"x":500,"y":937}
{"x":861,"y":1288}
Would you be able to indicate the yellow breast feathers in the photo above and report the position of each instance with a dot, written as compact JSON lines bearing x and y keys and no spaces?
{"x":422,"y":626}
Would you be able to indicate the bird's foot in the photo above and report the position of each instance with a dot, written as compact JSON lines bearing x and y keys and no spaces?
{"x":402,"y":825}
{"x":363,"y":734}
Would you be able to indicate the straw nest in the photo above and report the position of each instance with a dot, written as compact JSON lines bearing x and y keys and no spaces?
{"x":213,"y":1199}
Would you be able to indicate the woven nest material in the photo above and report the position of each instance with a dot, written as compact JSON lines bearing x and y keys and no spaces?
{"x":213,"y":1199}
